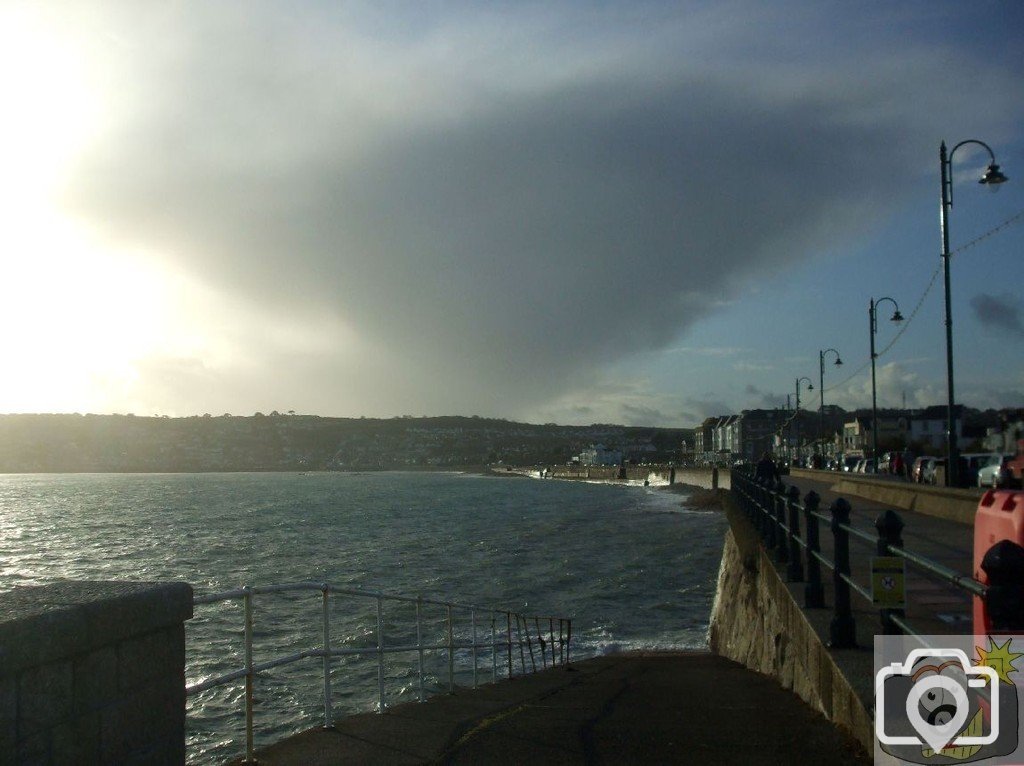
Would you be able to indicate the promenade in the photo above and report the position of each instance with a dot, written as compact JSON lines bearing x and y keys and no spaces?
{"x":679,"y":708}
{"x":934,"y":607}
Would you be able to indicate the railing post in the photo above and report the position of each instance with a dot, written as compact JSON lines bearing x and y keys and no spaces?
{"x":540,"y":643}
{"x":781,"y":540}
{"x":325,"y":589}
{"x":1004,"y":599}
{"x":529,"y":645}
{"x":814,"y":593}
{"x":795,"y":570}
{"x":568,"y":640}
{"x":380,"y":652}
{"x":519,"y":640}
{"x":889,"y":526}
{"x":767,"y":508}
{"x":551,"y":635}
{"x":451,"y":651}
{"x":472,"y":623}
{"x":494,"y":649}
{"x":508,"y":636}
{"x":250,"y":677}
{"x":757,"y":507}
{"x":419,"y":645}
{"x":842,"y":629}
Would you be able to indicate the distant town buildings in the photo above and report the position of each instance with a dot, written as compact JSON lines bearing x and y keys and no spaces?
{"x":600,"y":455}
{"x":727,"y":439}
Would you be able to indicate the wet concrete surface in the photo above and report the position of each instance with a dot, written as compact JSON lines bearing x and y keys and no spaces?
{"x":664,"y":708}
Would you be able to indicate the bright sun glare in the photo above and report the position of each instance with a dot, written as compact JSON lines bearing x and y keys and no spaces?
{"x":76,"y":316}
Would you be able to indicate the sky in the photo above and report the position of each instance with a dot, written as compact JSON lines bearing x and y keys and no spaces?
{"x":623,"y":212}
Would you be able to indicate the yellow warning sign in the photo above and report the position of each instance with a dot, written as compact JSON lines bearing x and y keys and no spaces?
{"x":888,"y":575}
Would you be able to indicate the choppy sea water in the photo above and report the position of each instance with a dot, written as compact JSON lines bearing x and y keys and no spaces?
{"x":632,"y":566}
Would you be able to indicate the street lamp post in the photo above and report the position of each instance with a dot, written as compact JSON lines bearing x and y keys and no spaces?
{"x":992,"y":177}
{"x":796,"y":416}
{"x":873,"y":326}
{"x":821,"y":391}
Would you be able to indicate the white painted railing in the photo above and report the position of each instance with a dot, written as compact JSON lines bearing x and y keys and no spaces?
{"x":554,"y":650}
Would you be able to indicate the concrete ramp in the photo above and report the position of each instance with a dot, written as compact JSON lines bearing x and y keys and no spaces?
{"x":666,"y":708}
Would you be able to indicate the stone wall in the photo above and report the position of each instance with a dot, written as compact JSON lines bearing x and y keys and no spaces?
{"x":655,"y":474}
{"x":93,"y":672}
{"x":756,"y":622}
{"x":953,"y":504}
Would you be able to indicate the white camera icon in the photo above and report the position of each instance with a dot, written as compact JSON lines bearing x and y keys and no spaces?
{"x":942,"y":695}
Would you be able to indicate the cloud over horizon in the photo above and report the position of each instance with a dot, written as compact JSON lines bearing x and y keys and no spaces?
{"x":475,"y":215}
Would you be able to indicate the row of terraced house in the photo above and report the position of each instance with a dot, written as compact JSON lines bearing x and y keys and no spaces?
{"x":745,"y":437}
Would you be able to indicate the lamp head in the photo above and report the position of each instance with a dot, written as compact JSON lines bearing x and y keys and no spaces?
{"x":839,"y":362}
{"x":810,"y":386}
{"x":896,"y":317}
{"x":993,"y":177}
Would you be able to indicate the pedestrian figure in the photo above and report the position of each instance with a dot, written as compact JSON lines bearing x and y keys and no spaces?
{"x":766,"y":469}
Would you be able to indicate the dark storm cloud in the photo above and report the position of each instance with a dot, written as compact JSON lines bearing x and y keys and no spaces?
{"x":698,"y":408}
{"x":499,"y":236}
{"x":764,"y":399}
{"x":1000,"y":312}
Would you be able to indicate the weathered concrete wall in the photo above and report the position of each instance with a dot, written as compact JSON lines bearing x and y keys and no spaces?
{"x":655,"y":474}
{"x":756,"y":622}
{"x":953,"y":504}
{"x":93,"y":672}
{"x":703,"y":477}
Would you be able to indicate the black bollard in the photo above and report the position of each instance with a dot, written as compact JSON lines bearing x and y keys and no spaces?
{"x":889,"y":526}
{"x":795,"y":570}
{"x":781,"y":541}
{"x":1004,"y":600}
{"x":814,"y":593}
{"x":842,"y":629}
{"x":767,"y":517}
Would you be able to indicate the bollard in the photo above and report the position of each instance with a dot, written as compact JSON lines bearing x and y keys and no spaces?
{"x":814,"y":593}
{"x":889,"y":526}
{"x":842,"y":629}
{"x":1004,"y":600}
{"x":781,"y":541}
{"x":795,"y":570}
{"x":761,"y":501}
{"x":767,"y":517}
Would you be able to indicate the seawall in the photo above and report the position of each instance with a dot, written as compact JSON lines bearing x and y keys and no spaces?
{"x":656,"y":475}
{"x":756,"y":622}
{"x":952,"y":504}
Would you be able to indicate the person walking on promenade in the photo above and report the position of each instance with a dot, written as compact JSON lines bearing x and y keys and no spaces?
{"x":766,"y":469}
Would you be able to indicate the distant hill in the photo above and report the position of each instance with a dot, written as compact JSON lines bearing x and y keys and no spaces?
{"x":277,"y":442}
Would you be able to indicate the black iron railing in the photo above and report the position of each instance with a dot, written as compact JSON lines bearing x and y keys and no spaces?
{"x":776,"y":512}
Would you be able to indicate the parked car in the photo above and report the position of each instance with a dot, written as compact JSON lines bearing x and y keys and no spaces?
{"x":995,"y":473}
{"x":917,"y":470}
{"x":930,"y":469}
{"x":884,"y":462}
{"x":969,"y":465}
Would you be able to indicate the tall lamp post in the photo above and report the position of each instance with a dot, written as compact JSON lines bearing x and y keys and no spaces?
{"x":873,"y":325}
{"x":993,"y":178}
{"x":821,"y":391}
{"x":796,"y":416}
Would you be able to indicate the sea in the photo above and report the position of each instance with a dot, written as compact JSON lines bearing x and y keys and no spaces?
{"x":634,"y":568}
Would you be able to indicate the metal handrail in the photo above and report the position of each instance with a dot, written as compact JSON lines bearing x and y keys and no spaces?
{"x":747,"y":489}
{"x":559,"y":650}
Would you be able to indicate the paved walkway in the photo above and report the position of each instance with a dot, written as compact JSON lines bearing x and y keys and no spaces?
{"x":680,"y":708}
